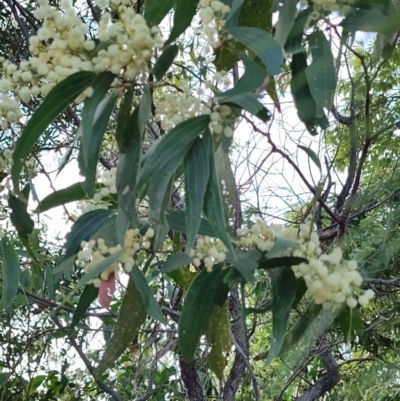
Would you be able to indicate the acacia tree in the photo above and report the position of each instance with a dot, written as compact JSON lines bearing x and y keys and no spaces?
{"x":152,"y":101}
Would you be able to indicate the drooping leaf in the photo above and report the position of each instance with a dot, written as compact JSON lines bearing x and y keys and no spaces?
{"x":174,"y":262}
{"x":218,"y":337}
{"x":164,"y":61}
{"x":283,"y":282}
{"x":88,"y":165}
{"x":294,"y":42}
{"x":174,"y":144}
{"x":197,"y":174}
{"x":87,"y":225}
{"x":213,"y":203}
{"x":246,"y":262}
{"x":11,"y":272}
{"x":205,"y":292}
{"x":89,"y":294}
{"x":281,"y":245}
{"x":262,"y":44}
{"x":20,"y":217}
{"x":320,"y":73}
{"x":304,"y":101}
{"x":124,"y":114}
{"x":155,"y":10}
{"x":50,"y":284}
{"x":72,"y":193}
{"x":101,"y":84}
{"x":311,"y":154}
{"x":54,"y":103}
{"x":287,"y":13}
{"x":234,"y":12}
{"x":150,"y":303}
{"x":350,"y":322}
{"x":99,"y":268}
{"x":182,"y":277}
{"x":281,"y":262}
{"x":177,"y":222}
{"x":250,"y":103}
{"x":132,"y":315}
{"x":183,"y":16}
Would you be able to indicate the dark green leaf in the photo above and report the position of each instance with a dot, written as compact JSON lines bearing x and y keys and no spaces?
{"x":132,"y":315}
{"x":250,"y":103}
{"x":283,"y":284}
{"x":101,"y":84}
{"x":301,"y":289}
{"x":174,"y":262}
{"x":50,"y":282}
{"x":89,"y":294}
{"x":281,"y":262}
{"x":311,"y":154}
{"x":305,"y":103}
{"x":55,"y":102}
{"x":262,"y":44}
{"x":294,"y":42}
{"x":150,"y":304}
{"x":287,"y":13}
{"x":174,"y":144}
{"x":88,"y":165}
{"x":72,"y":193}
{"x":350,"y":322}
{"x":164,"y":61}
{"x":156,"y":10}
{"x":11,"y":272}
{"x":177,"y":222}
{"x":281,"y":245}
{"x":197,"y":309}
{"x":246,"y":262}
{"x":20,"y":217}
{"x":183,"y":16}
{"x":124,"y":114}
{"x":234,"y":12}
{"x":87,"y":225}
{"x":197,"y":173}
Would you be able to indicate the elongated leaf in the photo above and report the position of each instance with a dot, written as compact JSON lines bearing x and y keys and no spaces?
{"x":89,"y":294}
{"x":174,"y":262}
{"x":177,"y":222}
{"x":294,"y":42}
{"x":165,"y":61}
{"x":311,"y":154}
{"x":320,"y":73}
{"x":183,"y":16}
{"x":281,"y":262}
{"x":182,"y":277}
{"x":287,"y":13}
{"x":50,"y":285}
{"x":262,"y":44}
{"x":20,"y":217}
{"x":156,"y":10}
{"x":124,"y":114}
{"x":213,"y":203}
{"x":252,"y":78}
{"x":246,"y":262}
{"x":72,"y":193}
{"x":197,"y":309}
{"x":87,"y":225}
{"x":197,"y":173}
{"x":99,"y":268}
{"x":350,"y":322}
{"x":132,"y":315}
{"x":281,"y":245}
{"x":150,"y":303}
{"x":283,"y":284}
{"x":234,"y":12}
{"x":305,"y":103}
{"x":54,"y":103}
{"x":250,"y":103}
{"x":101,"y":84}
{"x":88,"y":165}
{"x":11,"y":272}
{"x":174,"y":144}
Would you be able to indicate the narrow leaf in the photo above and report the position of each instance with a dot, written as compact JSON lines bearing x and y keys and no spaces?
{"x":11,"y":272}
{"x":165,"y":61}
{"x":262,"y":44}
{"x":89,"y":294}
{"x":150,"y":303}
{"x":197,"y":173}
{"x":183,"y":16}
{"x":55,"y":102}
{"x":177,"y":222}
{"x":311,"y":154}
{"x":155,"y":10}
{"x":283,"y":282}
{"x":281,"y":262}
{"x":294,"y":42}
{"x":20,"y":217}
{"x":175,"y":262}
{"x":281,"y":245}
{"x":246,"y":262}
{"x":131,"y":316}
{"x":287,"y":13}
{"x":250,"y":103}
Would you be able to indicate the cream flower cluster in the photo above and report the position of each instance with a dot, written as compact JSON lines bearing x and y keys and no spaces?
{"x":212,"y":14}
{"x":320,"y":6}
{"x":101,"y":198}
{"x":208,"y":251}
{"x":97,"y":251}
{"x":329,"y":278}
{"x":61,"y":48}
